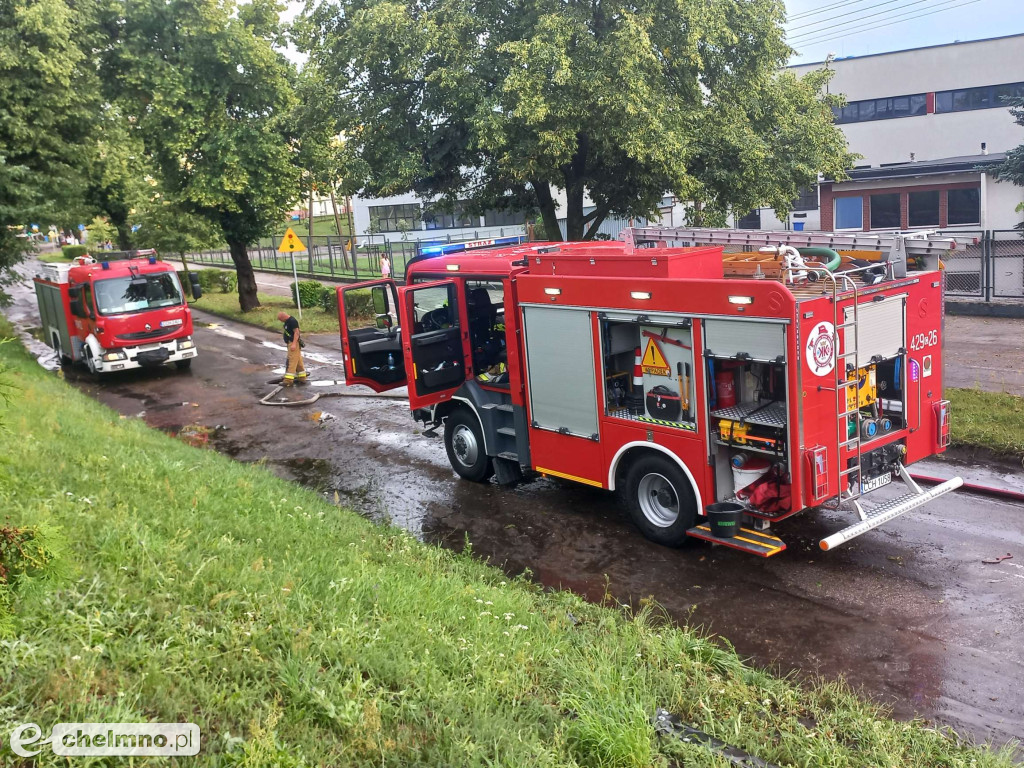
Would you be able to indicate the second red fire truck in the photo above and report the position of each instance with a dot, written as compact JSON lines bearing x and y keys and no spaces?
{"x":720,"y":392}
{"x":126,"y":310}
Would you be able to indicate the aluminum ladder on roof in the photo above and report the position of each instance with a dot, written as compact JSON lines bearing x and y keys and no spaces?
{"x":895,"y":247}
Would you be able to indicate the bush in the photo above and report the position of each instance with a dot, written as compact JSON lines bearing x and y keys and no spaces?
{"x":310,"y":291}
{"x":220,"y":280}
{"x":25,"y":553}
{"x":74,"y":251}
{"x":329,"y":300}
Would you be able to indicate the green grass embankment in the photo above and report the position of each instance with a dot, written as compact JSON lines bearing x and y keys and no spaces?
{"x":990,"y":420}
{"x":296,"y":633}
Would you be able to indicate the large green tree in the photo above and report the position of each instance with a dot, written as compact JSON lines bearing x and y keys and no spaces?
{"x":615,"y":101}
{"x":211,"y":94}
{"x":49,"y":96}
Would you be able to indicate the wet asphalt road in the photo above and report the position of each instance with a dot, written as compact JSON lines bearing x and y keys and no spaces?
{"x":907,"y":613}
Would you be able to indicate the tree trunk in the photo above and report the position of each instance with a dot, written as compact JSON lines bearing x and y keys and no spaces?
{"x":124,"y":236}
{"x":548,"y":213}
{"x":574,"y":189}
{"x":247,"y":298}
{"x":337,"y":225}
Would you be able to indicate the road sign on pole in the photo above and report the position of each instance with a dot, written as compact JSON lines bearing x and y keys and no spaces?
{"x":291,"y":243}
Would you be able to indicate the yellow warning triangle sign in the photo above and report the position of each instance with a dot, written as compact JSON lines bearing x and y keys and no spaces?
{"x":653,"y":361}
{"x":290,"y":243}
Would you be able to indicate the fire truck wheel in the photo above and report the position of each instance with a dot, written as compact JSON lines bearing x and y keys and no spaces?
{"x":183,"y":365}
{"x":90,"y":364}
{"x":465,"y":445}
{"x":660,"y":500}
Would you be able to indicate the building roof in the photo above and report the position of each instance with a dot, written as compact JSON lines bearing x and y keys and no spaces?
{"x":905,"y":50}
{"x":944,"y":165}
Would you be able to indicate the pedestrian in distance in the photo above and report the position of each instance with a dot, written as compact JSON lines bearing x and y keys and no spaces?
{"x":385,"y":267}
{"x":295,"y":370}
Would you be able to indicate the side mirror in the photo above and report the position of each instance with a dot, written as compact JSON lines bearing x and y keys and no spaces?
{"x":379,"y":296}
{"x":197,"y":291}
{"x":383,"y":322}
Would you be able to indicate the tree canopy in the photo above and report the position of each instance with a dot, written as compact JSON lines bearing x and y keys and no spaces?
{"x":615,"y":102}
{"x":49,"y":97}
{"x":212,"y":95}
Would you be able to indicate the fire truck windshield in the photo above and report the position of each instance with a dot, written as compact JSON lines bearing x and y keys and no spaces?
{"x":120,"y":295}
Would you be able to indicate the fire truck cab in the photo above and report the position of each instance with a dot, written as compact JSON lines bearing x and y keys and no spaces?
{"x":711,"y":389}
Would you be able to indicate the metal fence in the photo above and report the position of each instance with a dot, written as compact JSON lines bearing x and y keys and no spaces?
{"x":986,"y":265}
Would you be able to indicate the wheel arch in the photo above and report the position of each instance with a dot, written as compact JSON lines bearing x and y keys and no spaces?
{"x":458,"y":401}
{"x":630,"y":452}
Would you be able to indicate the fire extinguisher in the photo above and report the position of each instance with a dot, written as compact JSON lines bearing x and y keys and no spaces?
{"x":725,"y":386}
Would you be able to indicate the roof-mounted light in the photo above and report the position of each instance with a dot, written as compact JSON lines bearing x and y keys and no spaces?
{"x":741,"y":299}
{"x":553,"y":291}
{"x":452,"y":267}
{"x":640,"y":295}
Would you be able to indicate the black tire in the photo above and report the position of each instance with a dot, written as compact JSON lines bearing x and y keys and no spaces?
{"x":90,"y":365}
{"x":183,"y":365}
{"x":62,"y":359}
{"x":660,"y":500}
{"x":464,"y":442}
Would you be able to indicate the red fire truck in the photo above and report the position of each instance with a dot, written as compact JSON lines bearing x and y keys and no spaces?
{"x":710,"y":388}
{"x":126,"y":311}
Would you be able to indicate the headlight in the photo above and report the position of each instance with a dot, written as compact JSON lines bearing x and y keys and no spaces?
{"x":114,"y":355}
{"x":186,"y":343}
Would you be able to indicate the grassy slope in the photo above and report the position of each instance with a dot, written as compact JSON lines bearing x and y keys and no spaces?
{"x":992,"y":420}
{"x":314,"y":319}
{"x":296,"y":633}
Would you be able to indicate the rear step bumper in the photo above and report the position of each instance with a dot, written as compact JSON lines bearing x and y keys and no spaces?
{"x":889,"y":510}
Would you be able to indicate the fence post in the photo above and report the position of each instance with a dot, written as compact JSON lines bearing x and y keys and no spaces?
{"x":987,"y":267}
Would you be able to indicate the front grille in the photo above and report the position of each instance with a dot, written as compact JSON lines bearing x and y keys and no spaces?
{"x":144,"y":335}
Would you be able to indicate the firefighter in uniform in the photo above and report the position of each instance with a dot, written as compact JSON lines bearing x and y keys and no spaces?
{"x":295,"y":370}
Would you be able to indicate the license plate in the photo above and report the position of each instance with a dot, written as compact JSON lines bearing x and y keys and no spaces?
{"x":170,"y":323}
{"x":876,"y":482}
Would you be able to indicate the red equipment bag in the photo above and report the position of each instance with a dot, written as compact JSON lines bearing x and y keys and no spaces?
{"x":770,"y":494}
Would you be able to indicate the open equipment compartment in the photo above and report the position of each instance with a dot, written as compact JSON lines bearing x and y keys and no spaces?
{"x":748,"y":409}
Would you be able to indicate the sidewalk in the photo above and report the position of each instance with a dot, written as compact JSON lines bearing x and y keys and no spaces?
{"x":984,"y":352}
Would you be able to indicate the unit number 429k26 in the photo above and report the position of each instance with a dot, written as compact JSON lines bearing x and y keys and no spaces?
{"x":922,"y":340}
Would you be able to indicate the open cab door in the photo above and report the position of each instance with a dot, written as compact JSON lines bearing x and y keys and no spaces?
{"x":371,"y":338}
{"x":435,"y":342}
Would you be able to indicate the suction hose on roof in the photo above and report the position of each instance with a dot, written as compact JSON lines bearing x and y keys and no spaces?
{"x":821,"y":254}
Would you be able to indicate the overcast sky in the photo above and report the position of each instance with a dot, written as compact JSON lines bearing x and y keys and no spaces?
{"x":859,"y":27}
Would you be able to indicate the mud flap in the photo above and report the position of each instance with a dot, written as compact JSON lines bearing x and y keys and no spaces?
{"x":507,"y":471}
{"x":873,"y":517}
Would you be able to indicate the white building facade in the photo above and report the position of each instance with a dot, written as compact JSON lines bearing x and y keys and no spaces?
{"x":926,"y":121}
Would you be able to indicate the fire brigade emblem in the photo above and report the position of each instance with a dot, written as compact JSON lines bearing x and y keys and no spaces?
{"x":821,"y":349}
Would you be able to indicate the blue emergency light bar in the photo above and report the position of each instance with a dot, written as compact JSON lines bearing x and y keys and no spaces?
{"x":470,"y":245}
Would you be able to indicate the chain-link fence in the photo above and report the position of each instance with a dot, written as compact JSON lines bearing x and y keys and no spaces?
{"x":1006,"y":264}
{"x":966,"y":264}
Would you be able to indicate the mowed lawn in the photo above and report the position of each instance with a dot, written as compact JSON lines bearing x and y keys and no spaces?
{"x":295,"y":633}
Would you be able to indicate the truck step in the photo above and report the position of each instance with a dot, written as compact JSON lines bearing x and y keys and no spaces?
{"x":758,"y":543}
{"x":507,"y":407}
{"x":510,"y":431}
{"x":509,"y":455}
{"x":886,"y":511}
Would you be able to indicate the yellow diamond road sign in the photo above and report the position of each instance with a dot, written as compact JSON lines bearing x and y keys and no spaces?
{"x":290,"y":243}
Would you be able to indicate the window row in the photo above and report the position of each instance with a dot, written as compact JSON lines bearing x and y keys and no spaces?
{"x":881,"y":109}
{"x":985,"y":97}
{"x":924,"y":209}
{"x":408,"y":216}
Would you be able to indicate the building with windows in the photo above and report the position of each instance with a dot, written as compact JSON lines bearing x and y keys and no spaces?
{"x":928,"y":122}
{"x":409,"y":217}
